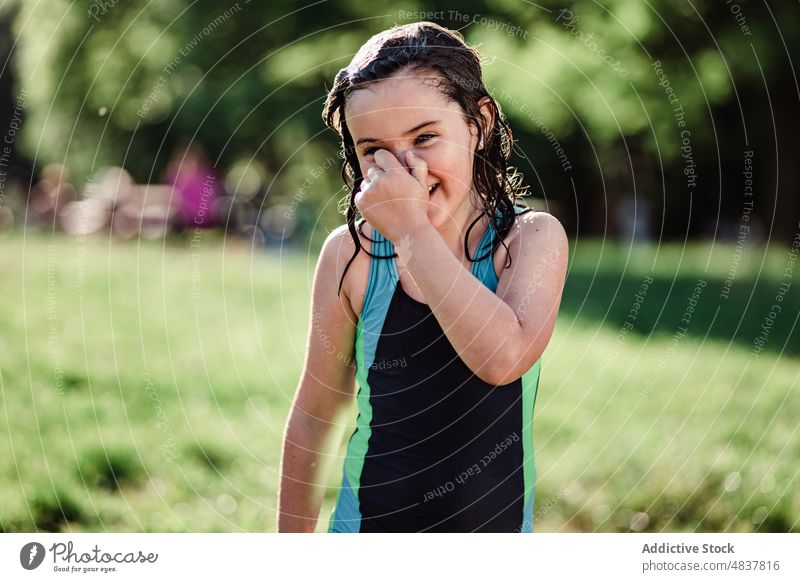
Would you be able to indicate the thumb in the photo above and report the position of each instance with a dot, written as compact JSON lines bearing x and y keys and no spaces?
{"x":418,"y":167}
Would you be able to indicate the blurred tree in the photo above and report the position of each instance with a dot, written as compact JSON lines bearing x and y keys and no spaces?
{"x":120,"y":82}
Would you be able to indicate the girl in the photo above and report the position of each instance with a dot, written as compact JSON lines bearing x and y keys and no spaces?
{"x":444,"y":316}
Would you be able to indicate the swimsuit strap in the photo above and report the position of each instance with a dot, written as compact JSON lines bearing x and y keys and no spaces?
{"x":381,"y":276}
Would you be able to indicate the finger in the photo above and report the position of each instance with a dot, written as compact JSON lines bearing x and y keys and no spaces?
{"x":358,"y":199}
{"x":418,"y":167}
{"x":386,"y":160}
{"x":373,"y":173}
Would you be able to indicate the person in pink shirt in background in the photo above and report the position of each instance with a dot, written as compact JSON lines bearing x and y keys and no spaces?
{"x":196,"y":185}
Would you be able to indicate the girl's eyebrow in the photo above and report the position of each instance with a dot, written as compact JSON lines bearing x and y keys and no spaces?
{"x":410,"y":131}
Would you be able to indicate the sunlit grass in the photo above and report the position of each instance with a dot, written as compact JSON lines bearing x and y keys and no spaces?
{"x":145,"y":386}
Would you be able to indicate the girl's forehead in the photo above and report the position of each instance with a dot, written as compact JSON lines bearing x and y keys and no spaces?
{"x":397,"y":99}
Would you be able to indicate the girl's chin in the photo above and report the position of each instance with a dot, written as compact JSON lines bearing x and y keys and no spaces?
{"x":442,"y":204}
{"x":439,"y":213}
{"x":435,"y":207}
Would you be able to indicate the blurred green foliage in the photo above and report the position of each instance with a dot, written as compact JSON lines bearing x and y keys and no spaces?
{"x":119,"y":82}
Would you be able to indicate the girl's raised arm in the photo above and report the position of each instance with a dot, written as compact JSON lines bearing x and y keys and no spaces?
{"x":326,"y":388}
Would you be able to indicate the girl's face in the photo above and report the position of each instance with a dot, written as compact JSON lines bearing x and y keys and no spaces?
{"x":403,"y":113}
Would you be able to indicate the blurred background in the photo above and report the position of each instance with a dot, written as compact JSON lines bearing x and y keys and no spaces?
{"x":166,"y":182}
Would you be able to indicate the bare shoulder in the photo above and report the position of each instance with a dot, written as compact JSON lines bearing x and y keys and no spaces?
{"x":541,"y":236}
{"x":537,"y":231}
{"x":534,"y":232}
{"x":541,"y":222}
{"x":338,"y":249}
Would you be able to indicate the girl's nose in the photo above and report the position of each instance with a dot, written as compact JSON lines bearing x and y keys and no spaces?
{"x":401,"y":156}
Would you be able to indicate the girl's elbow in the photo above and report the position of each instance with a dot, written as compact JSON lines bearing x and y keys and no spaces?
{"x":510,"y":366}
{"x":495,"y":373}
{"x":492,"y":371}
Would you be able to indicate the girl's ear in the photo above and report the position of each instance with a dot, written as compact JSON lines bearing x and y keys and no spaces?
{"x":487,"y":113}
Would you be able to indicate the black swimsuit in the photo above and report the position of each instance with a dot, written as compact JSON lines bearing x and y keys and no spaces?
{"x":435,"y":447}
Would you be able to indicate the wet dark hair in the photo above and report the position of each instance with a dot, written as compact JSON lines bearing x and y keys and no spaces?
{"x":429,"y":47}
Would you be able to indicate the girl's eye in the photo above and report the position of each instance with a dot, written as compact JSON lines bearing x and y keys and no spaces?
{"x":420,"y":139}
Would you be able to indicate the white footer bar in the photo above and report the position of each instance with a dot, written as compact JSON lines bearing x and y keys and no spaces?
{"x":401,"y":557}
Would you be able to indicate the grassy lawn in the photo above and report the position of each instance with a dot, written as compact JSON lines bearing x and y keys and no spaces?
{"x":145,"y":385}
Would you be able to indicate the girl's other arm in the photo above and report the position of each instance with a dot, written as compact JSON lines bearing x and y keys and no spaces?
{"x":326,"y":389}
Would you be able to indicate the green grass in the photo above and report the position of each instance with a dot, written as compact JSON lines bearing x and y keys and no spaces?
{"x":131,"y":404}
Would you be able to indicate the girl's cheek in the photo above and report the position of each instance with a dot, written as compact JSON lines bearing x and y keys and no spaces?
{"x":445,"y":165}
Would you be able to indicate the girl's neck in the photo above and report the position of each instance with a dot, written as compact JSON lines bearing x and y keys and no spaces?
{"x":454,"y":229}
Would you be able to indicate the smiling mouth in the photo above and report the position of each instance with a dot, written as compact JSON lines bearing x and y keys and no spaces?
{"x":432,"y":189}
